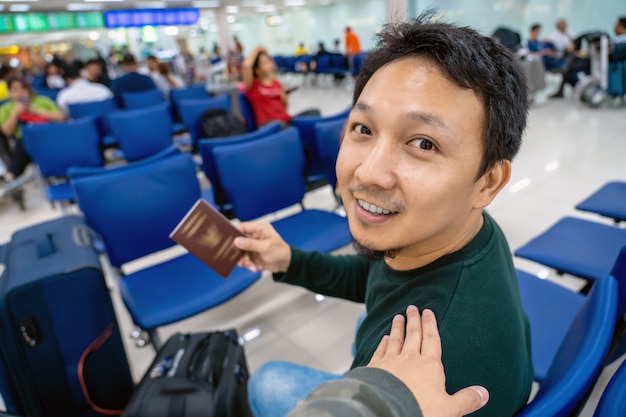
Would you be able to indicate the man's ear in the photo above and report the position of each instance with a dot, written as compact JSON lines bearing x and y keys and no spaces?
{"x":491,"y":182}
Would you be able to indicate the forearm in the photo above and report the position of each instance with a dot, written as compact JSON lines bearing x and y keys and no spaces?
{"x":342,"y":276}
{"x":10,"y":125}
{"x":52,"y":115}
{"x":364,"y":392}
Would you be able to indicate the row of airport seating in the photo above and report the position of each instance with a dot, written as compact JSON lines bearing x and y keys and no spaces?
{"x":328,"y":63}
{"x":576,"y":334}
{"x":133,"y":207}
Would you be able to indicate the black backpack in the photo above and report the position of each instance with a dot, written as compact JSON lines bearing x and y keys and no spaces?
{"x":217,"y":123}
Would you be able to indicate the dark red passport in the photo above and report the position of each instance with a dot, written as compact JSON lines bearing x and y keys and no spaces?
{"x":208,"y":235}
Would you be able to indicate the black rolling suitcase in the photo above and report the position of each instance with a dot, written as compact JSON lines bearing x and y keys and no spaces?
{"x":59,"y":339}
{"x":195,"y":375}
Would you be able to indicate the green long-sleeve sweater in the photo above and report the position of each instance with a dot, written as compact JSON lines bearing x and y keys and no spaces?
{"x":485,"y":334}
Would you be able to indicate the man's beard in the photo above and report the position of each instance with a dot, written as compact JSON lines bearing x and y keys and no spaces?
{"x":374,"y":254}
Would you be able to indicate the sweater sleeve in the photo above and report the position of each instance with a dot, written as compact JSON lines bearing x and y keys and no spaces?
{"x":342,"y":276}
{"x":364,"y":392}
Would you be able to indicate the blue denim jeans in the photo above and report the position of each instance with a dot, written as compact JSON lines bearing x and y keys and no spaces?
{"x":276,"y":387}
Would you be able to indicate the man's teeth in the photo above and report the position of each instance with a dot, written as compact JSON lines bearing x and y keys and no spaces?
{"x":372,"y":208}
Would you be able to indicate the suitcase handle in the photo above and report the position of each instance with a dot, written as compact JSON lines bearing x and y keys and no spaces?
{"x":81,"y":235}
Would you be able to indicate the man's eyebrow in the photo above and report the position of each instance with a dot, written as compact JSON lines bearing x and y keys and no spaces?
{"x":418,"y":116}
{"x":428,"y":118}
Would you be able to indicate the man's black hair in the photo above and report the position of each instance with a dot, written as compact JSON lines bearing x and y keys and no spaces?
{"x":535,"y":26}
{"x":469,"y":60}
{"x":622,"y":21}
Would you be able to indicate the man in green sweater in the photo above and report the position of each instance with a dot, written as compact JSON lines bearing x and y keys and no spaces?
{"x":438,"y":114}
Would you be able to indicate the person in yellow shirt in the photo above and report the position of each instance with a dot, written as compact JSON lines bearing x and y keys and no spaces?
{"x":5,"y":72}
{"x":301,"y":50}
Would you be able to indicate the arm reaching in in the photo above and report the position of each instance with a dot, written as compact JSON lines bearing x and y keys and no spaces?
{"x":415,"y":359}
{"x":263,"y":247}
{"x":405,"y":378}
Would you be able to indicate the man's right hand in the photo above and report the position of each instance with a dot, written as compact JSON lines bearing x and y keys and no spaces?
{"x":263,"y":247}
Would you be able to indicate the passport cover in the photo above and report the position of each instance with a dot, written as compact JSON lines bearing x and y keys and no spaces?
{"x":208,"y":235}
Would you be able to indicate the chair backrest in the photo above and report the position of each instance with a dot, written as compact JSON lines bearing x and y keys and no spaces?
{"x":328,"y":135}
{"x":248,"y":112}
{"x":581,"y":356}
{"x":619,"y":273}
{"x":306,"y":128}
{"x":613,"y":400}
{"x":55,"y":147}
{"x":134,"y":210}
{"x":79,"y":172}
{"x":206,"y":147}
{"x":357,"y":63}
{"x":192,"y":92}
{"x":140,"y":99}
{"x":96,"y":109}
{"x":142,"y":132}
{"x":262,"y":176}
{"x":191,"y":112}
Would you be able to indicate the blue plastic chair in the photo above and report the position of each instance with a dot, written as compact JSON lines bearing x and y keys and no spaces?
{"x":51,"y":93}
{"x":613,"y":400}
{"x":56,"y":147}
{"x":248,"y":112}
{"x":582,"y":248}
{"x":142,"y":132}
{"x":141,"y":99}
{"x":192,"y":92}
{"x":208,"y":162}
{"x":306,"y":127}
{"x":97,"y":110}
{"x":581,"y":355}
{"x":191,"y":112}
{"x":134,"y":210}
{"x":608,"y":201}
{"x":328,"y":136}
{"x":264,"y":176}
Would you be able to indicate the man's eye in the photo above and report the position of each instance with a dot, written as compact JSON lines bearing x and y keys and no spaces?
{"x":362,"y":129}
{"x":424,"y":144}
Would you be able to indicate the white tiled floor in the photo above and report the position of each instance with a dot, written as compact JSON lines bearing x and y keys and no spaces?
{"x":583,"y":147}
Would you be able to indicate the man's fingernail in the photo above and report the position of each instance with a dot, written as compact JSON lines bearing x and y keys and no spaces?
{"x":398,"y":317}
{"x":483,"y":393}
{"x":238,"y":241}
{"x":411,"y":308}
{"x":427,"y":312}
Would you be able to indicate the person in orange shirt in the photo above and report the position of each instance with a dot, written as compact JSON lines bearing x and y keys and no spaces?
{"x":353,"y":46}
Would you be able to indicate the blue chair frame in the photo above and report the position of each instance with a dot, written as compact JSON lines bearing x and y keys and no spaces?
{"x":580,"y":357}
{"x":191,"y":112}
{"x":134,"y":210}
{"x":613,"y":400}
{"x":206,"y":147}
{"x":142,"y":132}
{"x":608,"y":201}
{"x":328,"y":136}
{"x":97,"y":110}
{"x":247,"y":112}
{"x":264,"y":176}
{"x":141,"y":99}
{"x":56,"y":147}
{"x":306,"y":127}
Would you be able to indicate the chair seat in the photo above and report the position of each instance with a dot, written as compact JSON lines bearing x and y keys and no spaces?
{"x":579,"y":247}
{"x":109,"y":140}
{"x":153,"y":301}
{"x":609,"y":201}
{"x":314,"y":230}
{"x":60,"y":192}
{"x":551,"y":309}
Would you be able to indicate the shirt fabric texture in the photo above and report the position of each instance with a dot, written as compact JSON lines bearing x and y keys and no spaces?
{"x":130,"y":82}
{"x":37,"y":103}
{"x":267,"y":103}
{"x":474,"y":294}
{"x":82,"y":91}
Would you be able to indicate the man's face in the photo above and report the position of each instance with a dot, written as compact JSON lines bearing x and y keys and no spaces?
{"x":152,"y":64}
{"x":409,"y":159}
{"x":561,"y":26}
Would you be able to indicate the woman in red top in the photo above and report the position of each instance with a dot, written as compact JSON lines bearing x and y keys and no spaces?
{"x":265,"y":93}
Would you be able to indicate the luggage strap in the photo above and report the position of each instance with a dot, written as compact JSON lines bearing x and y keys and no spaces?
{"x":95,"y":345}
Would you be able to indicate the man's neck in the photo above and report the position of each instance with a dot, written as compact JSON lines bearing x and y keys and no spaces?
{"x":424,"y":253}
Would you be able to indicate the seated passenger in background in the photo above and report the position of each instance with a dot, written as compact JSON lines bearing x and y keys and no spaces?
{"x":427,"y":147}
{"x":23,"y":107}
{"x":131,"y":81}
{"x":619,"y":40}
{"x":80,"y":90}
{"x":301,"y":50}
{"x":54,"y":76}
{"x":539,"y":48}
{"x":165,"y":79}
{"x":265,"y":93}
